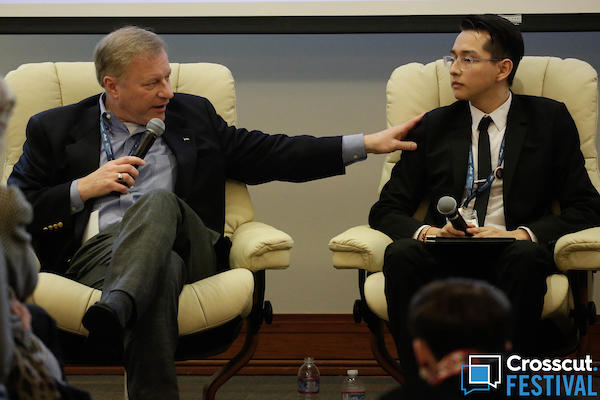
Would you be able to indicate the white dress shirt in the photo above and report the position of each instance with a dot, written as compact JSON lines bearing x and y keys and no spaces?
{"x":494,"y":216}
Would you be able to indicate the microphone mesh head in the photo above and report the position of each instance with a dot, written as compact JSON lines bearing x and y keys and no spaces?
{"x":156,"y":126}
{"x":446,"y":205}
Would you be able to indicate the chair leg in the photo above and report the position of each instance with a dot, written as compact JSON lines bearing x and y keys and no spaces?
{"x":233,"y":366}
{"x":254,"y":321}
{"x":126,"y":393}
{"x":380,"y":352}
{"x":584,"y":346}
{"x":579,"y":281}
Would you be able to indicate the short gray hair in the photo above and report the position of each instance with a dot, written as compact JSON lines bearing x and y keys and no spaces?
{"x":7,"y":102}
{"x":116,"y":50}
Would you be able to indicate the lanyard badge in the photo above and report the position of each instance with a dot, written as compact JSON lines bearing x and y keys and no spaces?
{"x":482,"y":184}
{"x":108,"y":149}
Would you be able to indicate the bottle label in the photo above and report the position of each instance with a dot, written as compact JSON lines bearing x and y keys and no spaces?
{"x":308,"y":385}
{"x":353,"y":396}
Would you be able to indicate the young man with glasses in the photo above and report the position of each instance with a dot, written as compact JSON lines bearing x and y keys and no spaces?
{"x":504,"y":158}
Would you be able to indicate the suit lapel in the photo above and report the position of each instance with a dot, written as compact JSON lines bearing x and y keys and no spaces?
{"x":182,"y":143}
{"x":460,"y":136}
{"x":516,"y":132}
{"x":85,"y":142}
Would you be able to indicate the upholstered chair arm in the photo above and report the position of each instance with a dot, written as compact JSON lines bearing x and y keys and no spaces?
{"x":215,"y":300}
{"x":257,"y":246}
{"x":360,"y":247}
{"x":579,"y":250}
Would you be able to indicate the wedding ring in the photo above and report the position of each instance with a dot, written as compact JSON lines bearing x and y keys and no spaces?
{"x":120,"y":177}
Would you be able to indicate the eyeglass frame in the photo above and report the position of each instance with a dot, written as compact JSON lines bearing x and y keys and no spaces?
{"x":465,"y":66}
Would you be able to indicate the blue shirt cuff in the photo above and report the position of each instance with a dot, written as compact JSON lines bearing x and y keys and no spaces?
{"x":76,"y":202}
{"x":353,"y":149}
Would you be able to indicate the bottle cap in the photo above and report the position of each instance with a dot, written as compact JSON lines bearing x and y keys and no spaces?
{"x":352,"y":372}
{"x":308,"y":359}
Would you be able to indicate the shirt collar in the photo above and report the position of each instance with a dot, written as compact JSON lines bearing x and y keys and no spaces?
{"x":499,"y":115}
{"x":111,"y":119}
{"x":107,"y":115}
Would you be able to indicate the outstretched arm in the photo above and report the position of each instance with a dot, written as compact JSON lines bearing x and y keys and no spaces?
{"x":391,"y":139}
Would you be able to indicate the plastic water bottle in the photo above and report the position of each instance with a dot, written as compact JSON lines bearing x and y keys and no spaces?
{"x":308,"y":380}
{"x":352,"y":388}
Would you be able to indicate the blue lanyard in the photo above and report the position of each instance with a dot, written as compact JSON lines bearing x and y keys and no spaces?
{"x":471,"y":175}
{"x":108,"y":149}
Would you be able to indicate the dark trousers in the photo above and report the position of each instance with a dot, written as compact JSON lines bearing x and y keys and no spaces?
{"x":519,"y":270}
{"x":160,"y":245}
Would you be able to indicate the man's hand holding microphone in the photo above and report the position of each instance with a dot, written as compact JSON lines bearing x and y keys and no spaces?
{"x":458,"y":227}
{"x":117,"y":176}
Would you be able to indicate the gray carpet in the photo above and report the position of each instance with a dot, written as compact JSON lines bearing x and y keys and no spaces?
{"x":110,"y":387}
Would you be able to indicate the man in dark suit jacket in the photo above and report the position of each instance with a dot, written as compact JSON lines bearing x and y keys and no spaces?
{"x":167,"y":229}
{"x":528,"y":149}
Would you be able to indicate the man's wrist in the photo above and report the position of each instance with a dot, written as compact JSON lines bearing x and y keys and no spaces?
{"x":426,"y":231}
{"x":522,"y":234}
{"x":353,"y":149}
{"x":75,"y":196}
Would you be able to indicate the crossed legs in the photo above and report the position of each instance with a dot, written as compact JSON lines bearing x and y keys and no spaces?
{"x":145,"y":260}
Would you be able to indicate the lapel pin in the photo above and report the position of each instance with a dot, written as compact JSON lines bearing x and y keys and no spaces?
{"x":186,"y":139}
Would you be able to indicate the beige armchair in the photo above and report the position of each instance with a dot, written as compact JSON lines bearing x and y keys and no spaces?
{"x":212,"y":310}
{"x":416,"y":88}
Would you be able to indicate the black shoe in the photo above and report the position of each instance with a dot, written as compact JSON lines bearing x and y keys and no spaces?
{"x":105,"y":340}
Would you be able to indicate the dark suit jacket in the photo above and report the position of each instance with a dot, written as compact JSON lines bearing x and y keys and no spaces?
{"x":542,"y":163}
{"x":63,"y":144}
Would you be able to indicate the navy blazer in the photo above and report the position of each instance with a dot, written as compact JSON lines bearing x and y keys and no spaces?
{"x":543,"y":163}
{"x":63,"y":144}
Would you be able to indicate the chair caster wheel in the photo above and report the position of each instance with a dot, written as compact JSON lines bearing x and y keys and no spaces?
{"x":268,"y":312}
{"x":357,"y":311}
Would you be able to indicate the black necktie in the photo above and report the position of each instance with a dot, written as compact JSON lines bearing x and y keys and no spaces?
{"x":484,"y":167}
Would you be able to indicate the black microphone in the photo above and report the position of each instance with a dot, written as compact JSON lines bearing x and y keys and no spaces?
{"x":447,"y":207}
{"x":154,"y":128}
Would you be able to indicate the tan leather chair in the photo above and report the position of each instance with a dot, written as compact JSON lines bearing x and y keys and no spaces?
{"x":210,"y":309}
{"x":416,"y":88}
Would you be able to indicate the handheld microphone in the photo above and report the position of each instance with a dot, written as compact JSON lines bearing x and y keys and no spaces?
{"x":154,"y":128}
{"x":447,"y":207}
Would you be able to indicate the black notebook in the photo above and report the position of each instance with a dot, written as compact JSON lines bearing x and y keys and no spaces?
{"x":467,"y":244}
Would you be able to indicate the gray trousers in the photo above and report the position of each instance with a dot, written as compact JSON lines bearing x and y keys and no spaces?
{"x":160,"y":245}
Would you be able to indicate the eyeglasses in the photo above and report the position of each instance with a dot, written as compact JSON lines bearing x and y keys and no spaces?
{"x":465,"y":63}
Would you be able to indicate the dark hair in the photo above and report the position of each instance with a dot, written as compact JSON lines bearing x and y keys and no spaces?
{"x":460,"y":313}
{"x":505,"y":41}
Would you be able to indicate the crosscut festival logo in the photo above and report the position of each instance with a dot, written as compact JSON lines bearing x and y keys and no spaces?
{"x":518,"y":376}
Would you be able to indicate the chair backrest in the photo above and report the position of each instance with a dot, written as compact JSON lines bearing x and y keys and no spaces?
{"x":42,"y":86}
{"x":416,"y":88}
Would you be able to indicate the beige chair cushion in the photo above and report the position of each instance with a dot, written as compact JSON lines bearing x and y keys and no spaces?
{"x":212,"y":301}
{"x":359,"y":247}
{"x":579,"y":250}
{"x":257,"y":246}
{"x":557,"y":302}
{"x":204,"y":304}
